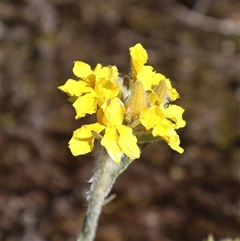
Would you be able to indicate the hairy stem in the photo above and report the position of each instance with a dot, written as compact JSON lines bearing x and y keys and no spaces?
{"x":103,"y":179}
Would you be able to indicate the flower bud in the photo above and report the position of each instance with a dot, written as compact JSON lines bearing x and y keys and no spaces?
{"x":136,"y":102}
{"x":162,"y":92}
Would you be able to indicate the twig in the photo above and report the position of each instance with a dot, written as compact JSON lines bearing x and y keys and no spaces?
{"x":202,"y":6}
{"x":195,"y":19}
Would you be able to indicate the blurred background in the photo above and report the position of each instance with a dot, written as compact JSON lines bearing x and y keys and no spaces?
{"x":163,"y":195}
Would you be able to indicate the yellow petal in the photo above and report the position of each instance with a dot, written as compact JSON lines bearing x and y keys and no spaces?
{"x":139,"y":57}
{"x":174,"y":112}
{"x":151,"y":116}
{"x":157,"y":77}
{"x":112,"y":114}
{"x":81,"y":69}
{"x":82,"y":140}
{"x":80,"y":147}
{"x":174,"y":142}
{"x":110,"y":142}
{"x":113,"y":74}
{"x":161,"y":130}
{"x":152,"y":98}
{"x":145,"y":75}
{"x":108,"y":72}
{"x":173,"y":94}
{"x":128,"y":142}
{"x":86,"y":104}
{"x":97,"y":68}
{"x":166,"y":131}
{"x":75,"y":88}
{"x":106,"y":90}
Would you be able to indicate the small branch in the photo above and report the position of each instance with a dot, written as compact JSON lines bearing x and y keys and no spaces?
{"x":195,"y":19}
{"x":202,"y":6}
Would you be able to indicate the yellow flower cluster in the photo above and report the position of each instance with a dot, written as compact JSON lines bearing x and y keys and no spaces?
{"x":124,"y":107}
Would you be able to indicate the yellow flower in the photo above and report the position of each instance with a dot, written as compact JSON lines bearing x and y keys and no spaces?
{"x":140,"y":71}
{"x":174,"y":113}
{"x":139,"y":103}
{"x":151,"y":116}
{"x":163,"y":123}
{"x":117,"y":139}
{"x":158,"y":115}
{"x":82,"y":141}
{"x":92,"y":89}
{"x":139,"y":57}
{"x":145,"y":73}
{"x":165,"y":129}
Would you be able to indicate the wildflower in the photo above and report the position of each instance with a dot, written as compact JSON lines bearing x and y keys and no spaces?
{"x":130,"y":111}
{"x":92,"y":88}
{"x":117,"y":138}
{"x":158,"y":116}
{"x":141,"y":100}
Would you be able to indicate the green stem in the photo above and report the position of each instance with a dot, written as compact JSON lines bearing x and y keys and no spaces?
{"x":103,"y":179}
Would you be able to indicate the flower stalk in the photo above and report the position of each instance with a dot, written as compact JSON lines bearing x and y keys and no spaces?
{"x":102,"y":181}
